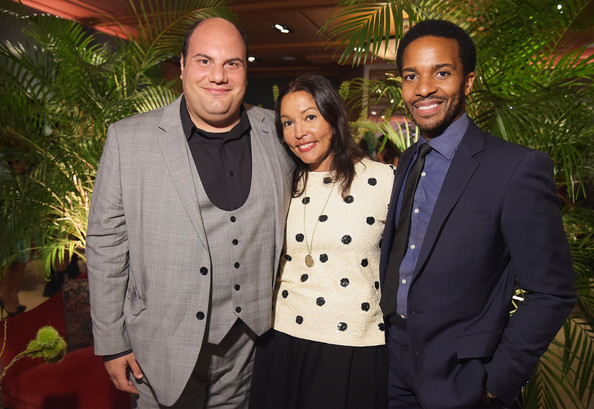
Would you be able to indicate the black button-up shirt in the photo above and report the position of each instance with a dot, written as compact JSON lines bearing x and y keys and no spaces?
{"x":223,"y":160}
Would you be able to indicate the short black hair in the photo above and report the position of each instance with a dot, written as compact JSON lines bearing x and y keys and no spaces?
{"x":445,"y":29}
{"x":333,"y":109}
{"x":195,"y":25}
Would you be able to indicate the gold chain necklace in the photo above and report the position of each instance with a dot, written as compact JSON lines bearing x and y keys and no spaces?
{"x":309,"y":261}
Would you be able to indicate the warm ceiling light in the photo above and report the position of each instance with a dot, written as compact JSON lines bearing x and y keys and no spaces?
{"x":282,"y":28}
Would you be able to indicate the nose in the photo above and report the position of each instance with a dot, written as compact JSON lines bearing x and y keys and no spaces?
{"x":300,"y":130}
{"x":426,"y":86}
{"x":217,"y":74}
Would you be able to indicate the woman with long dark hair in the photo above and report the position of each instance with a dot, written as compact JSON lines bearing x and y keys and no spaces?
{"x":326,"y":348}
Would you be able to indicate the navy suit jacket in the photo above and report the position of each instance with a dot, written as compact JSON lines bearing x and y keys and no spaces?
{"x":496,"y":222}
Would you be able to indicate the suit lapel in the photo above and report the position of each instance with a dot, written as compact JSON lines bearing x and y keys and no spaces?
{"x":461,"y":170}
{"x":262,"y":133}
{"x":181,"y":168}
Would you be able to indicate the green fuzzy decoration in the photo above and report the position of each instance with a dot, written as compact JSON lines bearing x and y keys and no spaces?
{"x":48,"y":345}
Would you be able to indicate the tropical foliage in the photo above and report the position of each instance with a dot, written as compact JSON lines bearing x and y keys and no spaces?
{"x":62,"y":85}
{"x":533,"y":88}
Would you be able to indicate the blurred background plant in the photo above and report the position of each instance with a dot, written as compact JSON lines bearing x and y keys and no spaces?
{"x":533,"y":88}
{"x":62,"y":85}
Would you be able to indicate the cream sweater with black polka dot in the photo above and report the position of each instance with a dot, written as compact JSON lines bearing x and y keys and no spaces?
{"x":335,"y":301}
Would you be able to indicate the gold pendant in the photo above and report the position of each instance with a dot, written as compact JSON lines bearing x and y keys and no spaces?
{"x":309,"y":261}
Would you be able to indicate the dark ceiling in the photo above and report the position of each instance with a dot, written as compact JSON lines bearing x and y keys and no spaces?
{"x":277,"y":54}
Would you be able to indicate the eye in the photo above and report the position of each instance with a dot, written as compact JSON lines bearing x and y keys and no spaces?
{"x":310,"y":117}
{"x":203,"y":61}
{"x":409,"y":77}
{"x":442,"y":74}
{"x":234,"y":65}
{"x":287,"y":123}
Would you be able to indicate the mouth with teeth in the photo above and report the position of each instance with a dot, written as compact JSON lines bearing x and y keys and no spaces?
{"x":306,"y":147}
{"x":427,"y":107}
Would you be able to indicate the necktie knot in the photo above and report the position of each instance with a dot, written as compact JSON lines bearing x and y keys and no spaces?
{"x":424,"y":149}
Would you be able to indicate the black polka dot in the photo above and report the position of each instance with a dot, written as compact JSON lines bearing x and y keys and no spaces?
{"x":377,"y":285}
{"x":320,"y":301}
{"x":304,"y":277}
{"x":305,"y":200}
{"x":323,"y":218}
{"x":372,"y":181}
{"x":285,"y":293}
{"x":346,"y":239}
{"x":323,"y":258}
{"x":299,"y":319}
{"x":288,"y":257}
{"x":370,"y":220}
{"x":381,"y":326}
{"x":364,"y":262}
{"x":342,"y":326}
{"x":327,"y":180}
{"x":349,"y":199}
{"x":365,"y":306}
{"x":344,"y":282}
{"x":299,"y":237}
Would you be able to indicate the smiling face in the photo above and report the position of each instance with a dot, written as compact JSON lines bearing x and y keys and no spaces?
{"x":305,"y":131}
{"x":433,"y":83}
{"x":214,"y":76}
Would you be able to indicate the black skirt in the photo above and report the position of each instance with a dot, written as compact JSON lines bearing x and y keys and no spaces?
{"x":294,"y":373}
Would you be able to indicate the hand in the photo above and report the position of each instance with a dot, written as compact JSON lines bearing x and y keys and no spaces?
{"x":118,"y":372}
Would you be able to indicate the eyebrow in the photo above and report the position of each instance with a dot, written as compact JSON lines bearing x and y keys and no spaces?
{"x":302,"y":112}
{"x":307,"y":109}
{"x":435,"y":67}
{"x":208,"y":57}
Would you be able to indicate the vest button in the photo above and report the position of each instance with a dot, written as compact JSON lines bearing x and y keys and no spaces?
{"x":237,"y":287}
{"x":238,"y":309}
{"x":233,"y":219}
{"x":235,"y":242}
{"x":203,"y":271}
{"x":236,"y":265}
{"x":200,"y":315}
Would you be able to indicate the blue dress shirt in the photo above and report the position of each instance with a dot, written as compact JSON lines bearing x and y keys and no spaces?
{"x":437,"y":164}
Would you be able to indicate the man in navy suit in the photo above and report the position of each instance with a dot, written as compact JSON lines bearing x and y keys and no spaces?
{"x":485,"y":217}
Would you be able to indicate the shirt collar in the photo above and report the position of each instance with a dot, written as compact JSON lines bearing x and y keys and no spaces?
{"x":242,"y":128}
{"x":447,"y":143}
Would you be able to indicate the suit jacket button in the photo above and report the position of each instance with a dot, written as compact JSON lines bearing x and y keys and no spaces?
{"x":203,"y":271}
{"x":238,"y":309}
{"x":237,"y":287}
{"x":200,"y":315}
